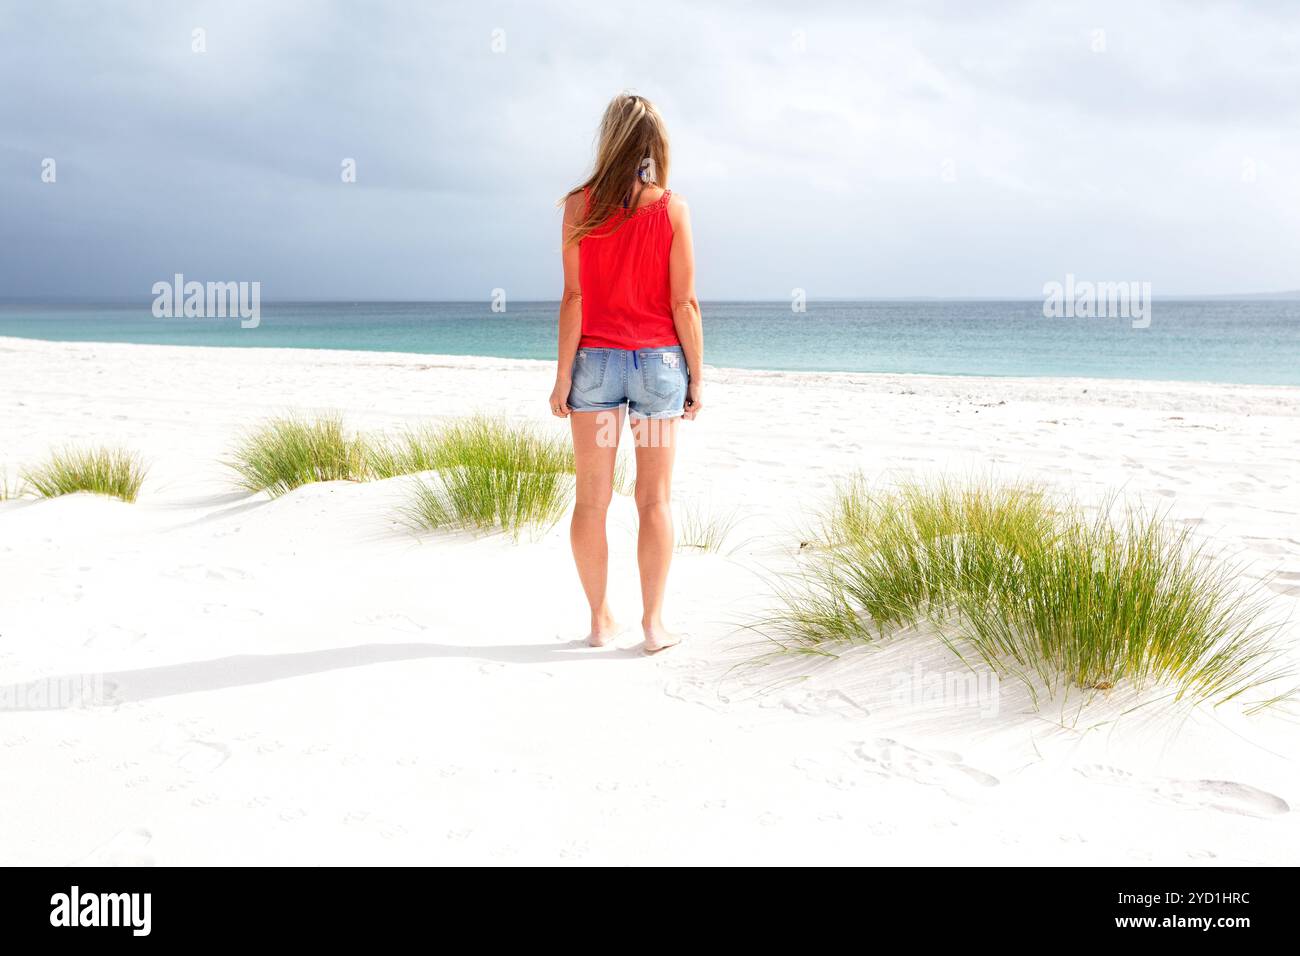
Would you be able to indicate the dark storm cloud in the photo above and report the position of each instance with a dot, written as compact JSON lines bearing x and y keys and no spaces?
{"x":939,"y":149}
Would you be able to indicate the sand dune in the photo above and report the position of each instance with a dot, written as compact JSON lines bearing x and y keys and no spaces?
{"x":302,"y":680}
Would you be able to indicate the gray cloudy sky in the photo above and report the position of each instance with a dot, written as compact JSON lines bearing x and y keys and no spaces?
{"x":907,"y":148}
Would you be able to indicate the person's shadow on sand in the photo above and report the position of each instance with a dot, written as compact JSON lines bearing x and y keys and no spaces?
{"x":242,"y":670}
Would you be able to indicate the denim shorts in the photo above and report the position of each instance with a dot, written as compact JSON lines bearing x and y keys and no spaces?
{"x":650,"y":382}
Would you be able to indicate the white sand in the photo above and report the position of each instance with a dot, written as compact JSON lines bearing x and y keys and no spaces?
{"x":302,"y":681}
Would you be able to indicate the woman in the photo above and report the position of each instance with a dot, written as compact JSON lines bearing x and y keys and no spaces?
{"x":630,"y":343}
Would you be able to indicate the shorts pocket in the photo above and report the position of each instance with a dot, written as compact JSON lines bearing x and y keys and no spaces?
{"x":662,"y":379}
{"x":589,"y":369}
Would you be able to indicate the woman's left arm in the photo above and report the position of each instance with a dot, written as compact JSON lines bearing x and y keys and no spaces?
{"x":687,"y":320}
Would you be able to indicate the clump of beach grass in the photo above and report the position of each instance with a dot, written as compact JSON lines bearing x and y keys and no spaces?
{"x":289,"y":452}
{"x":413,"y":451}
{"x":624,"y":474}
{"x":702,"y":527}
{"x":1032,"y":587}
{"x":419,"y":449}
{"x":115,"y":472}
{"x":492,"y":474}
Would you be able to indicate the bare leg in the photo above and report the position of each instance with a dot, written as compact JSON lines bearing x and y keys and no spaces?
{"x":595,"y":450}
{"x":656,"y":446}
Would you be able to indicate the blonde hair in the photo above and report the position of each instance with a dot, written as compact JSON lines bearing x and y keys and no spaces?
{"x":632,"y":137}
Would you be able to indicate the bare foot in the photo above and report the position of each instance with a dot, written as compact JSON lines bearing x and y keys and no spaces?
{"x":603,"y":630}
{"x":658,"y":638}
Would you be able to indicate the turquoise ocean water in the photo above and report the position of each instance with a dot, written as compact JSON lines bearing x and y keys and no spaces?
{"x":1242,"y":341}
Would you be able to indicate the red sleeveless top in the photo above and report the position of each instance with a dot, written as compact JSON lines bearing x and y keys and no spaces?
{"x":626,"y":302}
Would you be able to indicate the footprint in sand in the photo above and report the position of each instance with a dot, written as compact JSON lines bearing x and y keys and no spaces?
{"x":114,"y":636}
{"x":392,"y":622}
{"x":188,"y":749}
{"x":202,"y":573}
{"x":697,"y":690}
{"x":365,"y":820}
{"x":575,"y":850}
{"x":1226,"y":796}
{"x":1286,"y":583}
{"x":934,"y":768}
{"x":203,"y":756}
{"x":818,"y":771}
{"x":125,"y":848}
{"x":818,"y":702}
{"x":226,"y":574}
{"x":233,"y":613}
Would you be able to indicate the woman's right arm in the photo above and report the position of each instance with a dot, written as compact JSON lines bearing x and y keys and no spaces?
{"x":686,"y":307}
{"x":570,"y":312}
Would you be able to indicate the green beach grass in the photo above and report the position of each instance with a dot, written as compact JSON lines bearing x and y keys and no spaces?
{"x":1030,"y":586}
{"x":287,"y":453}
{"x":702,"y":527}
{"x":103,"y":471}
{"x":475,"y":473}
{"x":492,"y":474}
{"x":489,"y":473}
{"x":417,"y":450}
{"x":411,"y":452}
{"x":624,"y":474}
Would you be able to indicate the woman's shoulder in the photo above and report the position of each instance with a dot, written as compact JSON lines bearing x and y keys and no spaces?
{"x":678,"y":211}
{"x":575,"y":204}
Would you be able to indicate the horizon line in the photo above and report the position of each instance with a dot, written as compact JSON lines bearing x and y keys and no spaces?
{"x":133,"y":300}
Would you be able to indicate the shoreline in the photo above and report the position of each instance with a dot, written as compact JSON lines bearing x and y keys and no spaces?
{"x":451,"y":360}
